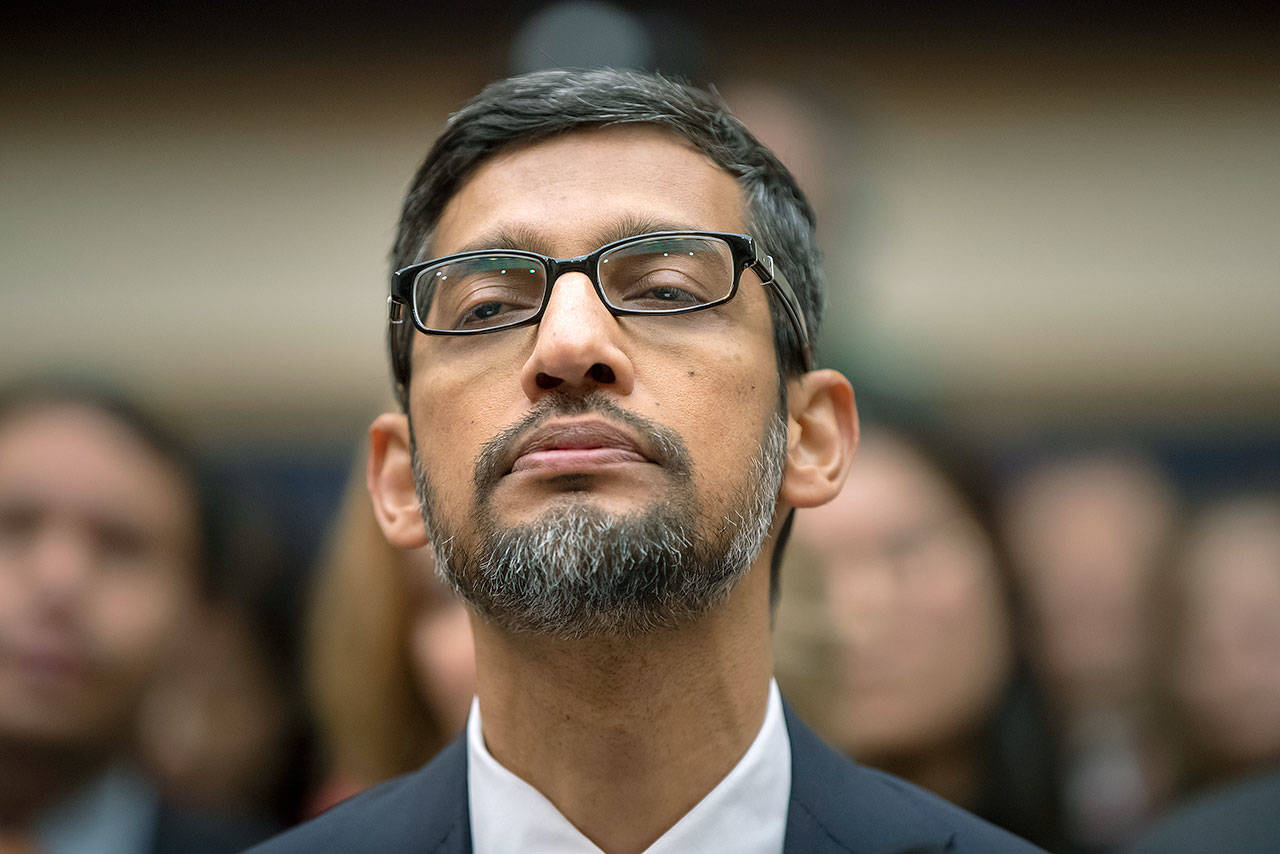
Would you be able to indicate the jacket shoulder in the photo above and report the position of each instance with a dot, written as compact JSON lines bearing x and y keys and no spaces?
{"x":424,"y":811}
{"x":838,"y":805}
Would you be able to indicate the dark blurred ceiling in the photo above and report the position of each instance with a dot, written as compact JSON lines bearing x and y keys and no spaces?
{"x":73,"y":26}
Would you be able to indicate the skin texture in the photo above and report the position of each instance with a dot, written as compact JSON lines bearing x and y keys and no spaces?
{"x":96,"y":575}
{"x":677,"y":708}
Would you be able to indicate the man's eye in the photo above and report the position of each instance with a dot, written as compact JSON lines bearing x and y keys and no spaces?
{"x":485,"y":310}
{"x":18,"y":523}
{"x":667,"y":293}
{"x":661,"y":296}
{"x":119,"y":543}
{"x":485,"y":314}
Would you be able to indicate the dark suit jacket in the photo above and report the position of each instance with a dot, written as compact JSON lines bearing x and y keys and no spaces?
{"x":836,"y":806}
{"x":183,"y":831}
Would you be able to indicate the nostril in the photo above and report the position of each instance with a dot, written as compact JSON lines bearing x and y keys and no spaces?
{"x":601,"y":373}
{"x":545,"y":380}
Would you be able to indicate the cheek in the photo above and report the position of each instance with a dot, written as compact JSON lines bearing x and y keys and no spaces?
{"x":448,"y":438}
{"x":721,"y":415}
{"x":134,"y":617}
{"x":462,"y":401}
{"x":14,"y":595}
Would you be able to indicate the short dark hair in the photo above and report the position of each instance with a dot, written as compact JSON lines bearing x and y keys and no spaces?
{"x":541,"y":104}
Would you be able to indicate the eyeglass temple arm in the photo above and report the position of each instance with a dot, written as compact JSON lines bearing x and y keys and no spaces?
{"x":395,"y":308}
{"x":770,"y":275}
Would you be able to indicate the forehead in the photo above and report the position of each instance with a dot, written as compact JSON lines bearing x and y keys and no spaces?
{"x":891,"y":486}
{"x":570,"y":192}
{"x":83,"y":461}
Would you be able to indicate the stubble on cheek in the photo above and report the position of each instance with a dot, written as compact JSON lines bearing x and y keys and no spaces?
{"x":434,"y":497}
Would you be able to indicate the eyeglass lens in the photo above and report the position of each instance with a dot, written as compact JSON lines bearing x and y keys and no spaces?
{"x":657,"y":274}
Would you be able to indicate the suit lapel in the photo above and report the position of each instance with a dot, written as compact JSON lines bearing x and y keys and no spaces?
{"x":442,"y":794}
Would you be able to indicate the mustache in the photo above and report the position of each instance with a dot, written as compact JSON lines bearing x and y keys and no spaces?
{"x":663,"y":444}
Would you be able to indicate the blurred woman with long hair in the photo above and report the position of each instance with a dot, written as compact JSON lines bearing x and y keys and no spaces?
{"x":391,"y":667}
{"x":896,"y":635}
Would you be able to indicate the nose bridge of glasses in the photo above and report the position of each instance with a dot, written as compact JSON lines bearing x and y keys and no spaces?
{"x":584,"y":264}
{"x":576,"y":329}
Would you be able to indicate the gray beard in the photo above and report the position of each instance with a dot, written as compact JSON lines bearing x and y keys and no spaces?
{"x":578,"y":571}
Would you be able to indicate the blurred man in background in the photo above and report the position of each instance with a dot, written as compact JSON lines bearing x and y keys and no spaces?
{"x":102,"y":546}
{"x":1222,"y":630}
{"x":1224,"y":639}
{"x":1089,"y":532}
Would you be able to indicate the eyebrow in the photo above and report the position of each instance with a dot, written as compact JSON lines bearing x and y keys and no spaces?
{"x":523,"y":238}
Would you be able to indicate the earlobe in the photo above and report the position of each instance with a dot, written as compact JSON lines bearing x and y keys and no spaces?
{"x":822,"y":437}
{"x":391,"y":482}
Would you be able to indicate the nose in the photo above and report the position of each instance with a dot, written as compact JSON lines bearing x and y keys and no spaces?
{"x":62,"y":563}
{"x":578,"y":344}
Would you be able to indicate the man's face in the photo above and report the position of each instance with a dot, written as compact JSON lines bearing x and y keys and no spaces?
{"x":587,"y":415}
{"x":1086,"y":535}
{"x":96,"y":545}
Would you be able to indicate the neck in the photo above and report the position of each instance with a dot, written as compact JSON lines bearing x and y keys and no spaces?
{"x":35,"y":776}
{"x":677,"y":709}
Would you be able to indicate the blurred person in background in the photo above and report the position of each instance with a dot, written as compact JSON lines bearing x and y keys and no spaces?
{"x":217,"y":726}
{"x":1223,"y":678}
{"x":391,"y":667}
{"x":103,"y":560}
{"x":1088,"y":533}
{"x":896,"y":633}
{"x":226,"y":726}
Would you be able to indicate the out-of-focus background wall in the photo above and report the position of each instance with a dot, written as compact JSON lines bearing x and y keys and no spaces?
{"x":1032,"y":214}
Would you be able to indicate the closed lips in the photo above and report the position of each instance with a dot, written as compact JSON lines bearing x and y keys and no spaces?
{"x":609,"y":444}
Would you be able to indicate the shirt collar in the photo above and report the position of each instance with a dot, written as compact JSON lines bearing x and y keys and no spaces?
{"x":746,"y":811}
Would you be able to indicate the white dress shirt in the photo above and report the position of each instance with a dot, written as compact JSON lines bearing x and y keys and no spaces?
{"x":746,"y":811}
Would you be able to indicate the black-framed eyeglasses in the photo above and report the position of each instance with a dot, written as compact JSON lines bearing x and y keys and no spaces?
{"x":662,"y":273}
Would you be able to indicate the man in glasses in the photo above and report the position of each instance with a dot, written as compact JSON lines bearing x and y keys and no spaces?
{"x":601,"y":314}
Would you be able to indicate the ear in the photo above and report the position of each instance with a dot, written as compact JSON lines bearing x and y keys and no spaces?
{"x":391,"y":482}
{"x":822,"y":434}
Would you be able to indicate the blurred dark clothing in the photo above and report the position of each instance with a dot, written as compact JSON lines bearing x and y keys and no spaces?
{"x":179,"y":831}
{"x":120,"y":812}
{"x":836,"y":806}
{"x":1020,"y":778}
{"x":1242,"y":817}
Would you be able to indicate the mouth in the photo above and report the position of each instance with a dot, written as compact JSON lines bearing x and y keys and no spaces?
{"x":576,"y":446}
{"x":49,"y":664}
